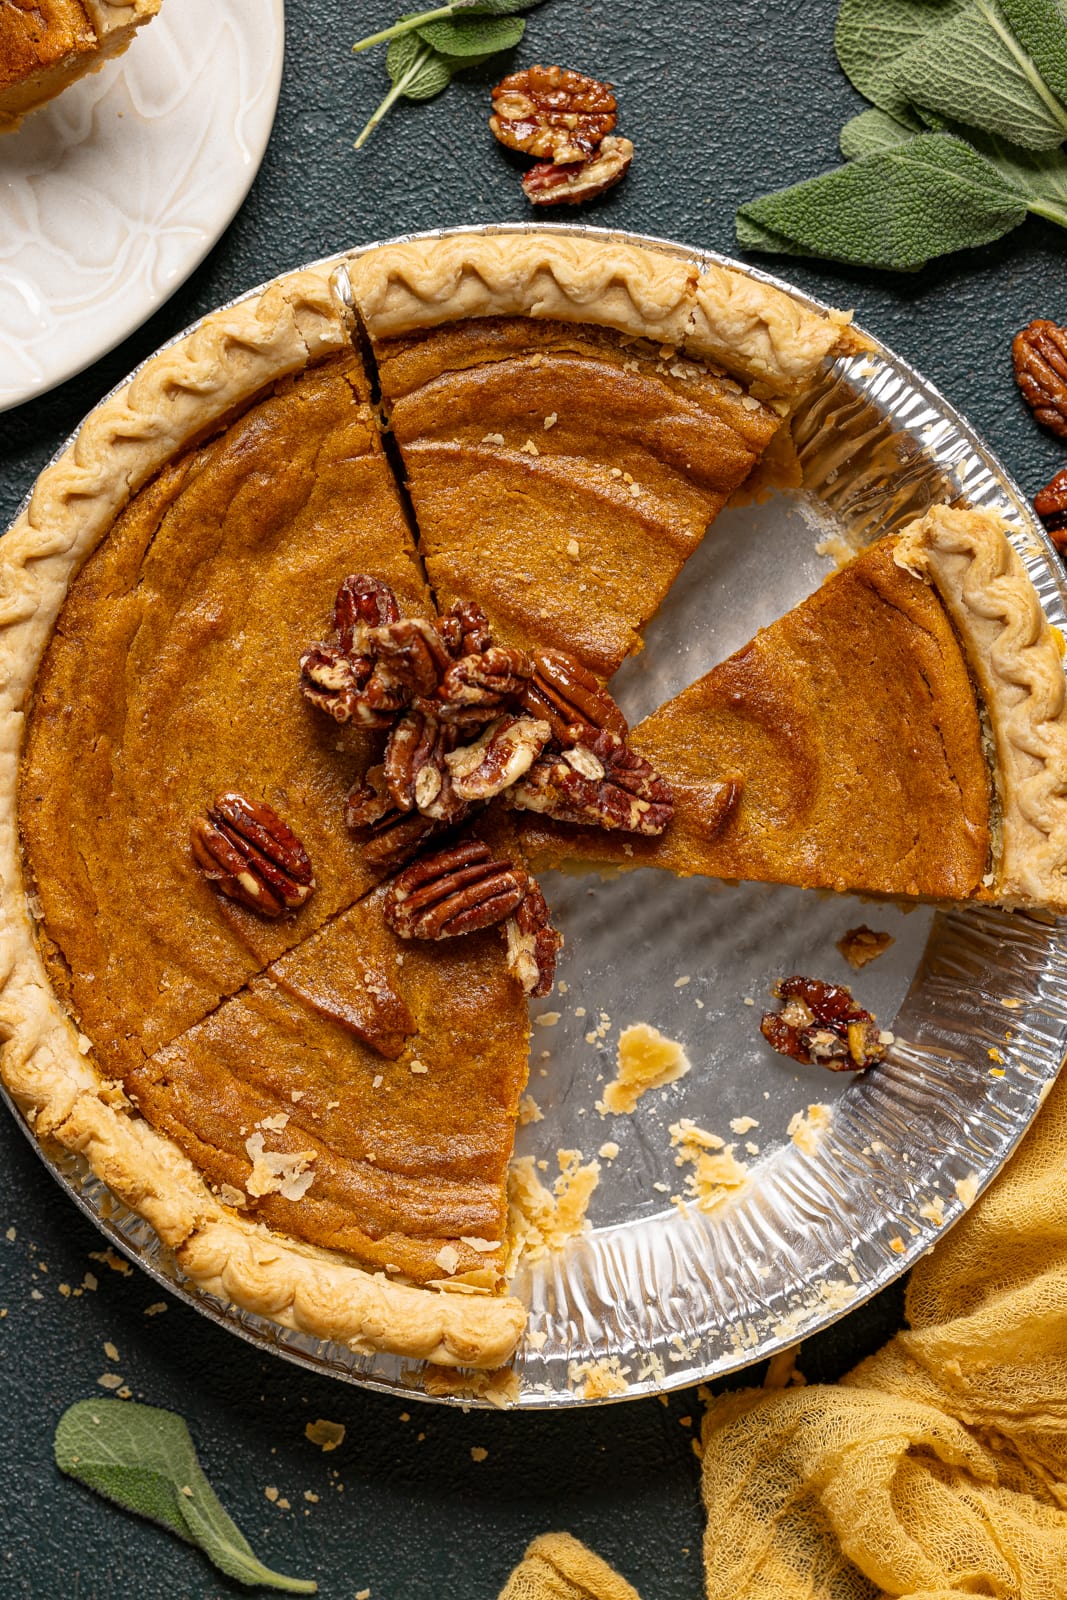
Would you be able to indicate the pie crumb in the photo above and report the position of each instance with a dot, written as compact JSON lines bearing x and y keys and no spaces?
{"x":743,"y":1124}
{"x":597,"y":1380}
{"x":609,"y":1150}
{"x":500,"y":1386}
{"x":807,"y":1127}
{"x":716,"y":1174}
{"x":860,"y":946}
{"x":479,"y":1452}
{"x":542,"y":1220}
{"x":646,"y":1060}
{"x":327,"y":1435}
{"x":529,"y":1111}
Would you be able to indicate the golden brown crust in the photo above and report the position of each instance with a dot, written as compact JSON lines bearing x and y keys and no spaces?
{"x":178,"y":396}
{"x":750,"y":327}
{"x":1017,"y":660}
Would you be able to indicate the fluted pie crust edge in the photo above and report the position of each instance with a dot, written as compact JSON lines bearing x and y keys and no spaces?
{"x":1016,"y":657}
{"x":182,"y":393}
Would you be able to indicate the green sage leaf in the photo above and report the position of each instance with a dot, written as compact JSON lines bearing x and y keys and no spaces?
{"x":872,"y":35}
{"x":143,"y":1459}
{"x":480,"y":36}
{"x":896,"y":208}
{"x":871,"y":132}
{"x":418,"y":71}
{"x":457,"y":8}
{"x":1041,"y":28}
{"x":972,"y":69}
{"x":1040,"y":175}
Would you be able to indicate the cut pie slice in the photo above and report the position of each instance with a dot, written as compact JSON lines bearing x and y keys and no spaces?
{"x":566,"y":428}
{"x":901,"y":732}
{"x":46,"y":44}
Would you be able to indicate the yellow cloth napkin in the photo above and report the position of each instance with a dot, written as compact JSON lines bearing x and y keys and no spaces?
{"x":938,"y":1467}
{"x":557,"y":1567}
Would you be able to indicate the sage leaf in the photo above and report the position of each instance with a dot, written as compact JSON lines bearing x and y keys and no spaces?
{"x":1040,"y":175}
{"x":143,"y":1458}
{"x":472,"y":36}
{"x":871,"y":35}
{"x":972,"y":69}
{"x":458,"y":8}
{"x":418,"y":72}
{"x":873,"y":131}
{"x":1041,"y":28}
{"x":896,"y":208}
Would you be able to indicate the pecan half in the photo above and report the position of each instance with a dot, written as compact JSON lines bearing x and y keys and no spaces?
{"x":547,"y":111}
{"x":483,"y":682}
{"x":533,"y":944}
{"x":368,"y":800}
{"x":362,"y":602}
{"x":458,"y":890}
{"x":414,"y":768}
{"x":597,"y":781}
{"x":465,"y":630}
{"x":409,"y":659}
{"x":397,"y":837}
{"x":821,"y":1022}
{"x":564,"y":692}
{"x":1039,"y":355}
{"x":334,"y":683}
{"x":498,"y":758}
{"x":1050,"y":503}
{"x":250,"y":855}
{"x":549,"y":184}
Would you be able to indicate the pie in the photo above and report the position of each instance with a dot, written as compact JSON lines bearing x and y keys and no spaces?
{"x":314,"y":1113}
{"x":900,"y":732}
{"x":46,"y":44}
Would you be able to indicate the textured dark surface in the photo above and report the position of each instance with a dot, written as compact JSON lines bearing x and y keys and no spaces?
{"x":723,"y":101}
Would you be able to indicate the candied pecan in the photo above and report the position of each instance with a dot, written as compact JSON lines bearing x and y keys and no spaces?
{"x":458,"y":890}
{"x":549,"y":184}
{"x":252,"y":856}
{"x":362,"y":602}
{"x":564,"y":692}
{"x":414,"y":758}
{"x":547,"y":111}
{"x":498,"y":757}
{"x":334,"y":682}
{"x":409,"y":659}
{"x":821,"y":1022}
{"x":1050,"y":503}
{"x":399,"y":835}
{"x":533,"y":944}
{"x":485,"y":681}
{"x":465,"y":630}
{"x":597,"y":781}
{"x":1039,"y":355}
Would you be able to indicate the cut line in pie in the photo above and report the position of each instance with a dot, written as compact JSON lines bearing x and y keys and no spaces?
{"x":543,"y":390}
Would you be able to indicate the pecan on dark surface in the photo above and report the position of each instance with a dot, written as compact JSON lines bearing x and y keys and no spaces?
{"x":563,"y":692}
{"x":1050,"y":503}
{"x":250,"y":855}
{"x":1039,"y":355}
{"x":455,"y":891}
{"x":598,"y":781}
{"x":533,"y":944}
{"x":549,"y":184}
{"x":821,"y":1022}
{"x":554,"y":113}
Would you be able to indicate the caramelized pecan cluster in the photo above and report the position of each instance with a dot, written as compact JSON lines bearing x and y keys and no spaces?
{"x":821,"y":1022}
{"x":1039,"y":356}
{"x":568,"y":118}
{"x":469,"y":720}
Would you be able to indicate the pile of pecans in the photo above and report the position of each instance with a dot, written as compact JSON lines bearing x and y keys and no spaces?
{"x":1039,"y":356}
{"x":568,"y":118}
{"x":820,"y":1022}
{"x":468,"y":721}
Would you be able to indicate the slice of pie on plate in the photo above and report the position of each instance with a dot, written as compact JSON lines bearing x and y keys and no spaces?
{"x":900,"y":732}
{"x":317,"y":1127}
{"x":46,"y":44}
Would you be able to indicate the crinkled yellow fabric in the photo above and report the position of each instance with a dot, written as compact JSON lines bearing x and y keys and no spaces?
{"x":937,"y":1468}
{"x":557,"y":1567}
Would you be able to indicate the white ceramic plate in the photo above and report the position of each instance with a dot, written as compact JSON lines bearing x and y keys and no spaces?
{"x":665,"y":1295}
{"x":114,"y":192}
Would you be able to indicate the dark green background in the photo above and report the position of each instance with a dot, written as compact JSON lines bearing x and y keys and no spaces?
{"x":723,"y":101}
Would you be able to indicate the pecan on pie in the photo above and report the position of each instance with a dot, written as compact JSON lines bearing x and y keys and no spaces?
{"x":46,"y":44}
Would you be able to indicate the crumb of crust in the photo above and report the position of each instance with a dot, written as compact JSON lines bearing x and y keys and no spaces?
{"x":547,"y":1019}
{"x":327,"y":1435}
{"x":743,"y":1124}
{"x":897,"y":1244}
{"x":500,"y":1387}
{"x":1011,"y":1005}
{"x":362,"y":1594}
{"x":551,"y":420}
{"x":493,"y":438}
{"x":111,"y":1380}
{"x":479,"y":1452}
{"x":109,"y":1258}
{"x":608,"y":1150}
{"x":529,"y":1111}
{"x":934,"y":1210}
{"x":716,"y":1175}
{"x":598,"y":1380}
{"x":110,"y":1351}
{"x":646,"y":1060}
{"x":541,"y":1220}
{"x":284,"y":1172}
{"x":860,"y":946}
{"x":806,"y":1128}
{"x":967,"y":1190}
{"x":156,"y":1308}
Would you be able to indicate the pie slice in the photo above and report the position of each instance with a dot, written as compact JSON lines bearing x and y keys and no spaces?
{"x":46,"y":44}
{"x":901,"y":732}
{"x":562,"y":470}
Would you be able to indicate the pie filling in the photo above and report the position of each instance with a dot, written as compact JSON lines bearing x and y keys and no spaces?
{"x":350,"y":1088}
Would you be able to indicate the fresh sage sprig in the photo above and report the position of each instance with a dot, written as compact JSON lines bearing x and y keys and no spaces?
{"x":144,"y":1459}
{"x":965,"y":140}
{"x":427,"y":48}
